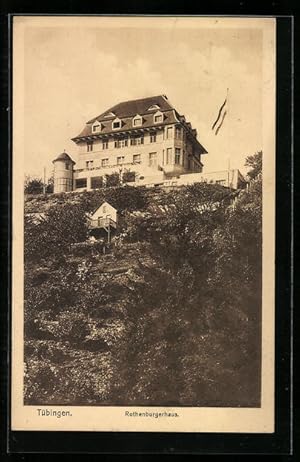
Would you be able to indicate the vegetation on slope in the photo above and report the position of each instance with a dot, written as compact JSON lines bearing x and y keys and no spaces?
{"x":170,"y":316}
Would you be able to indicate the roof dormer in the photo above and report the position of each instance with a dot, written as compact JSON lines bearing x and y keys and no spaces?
{"x":154,"y":107}
{"x":109,"y":115}
{"x":137,"y":121}
{"x":96,"y":127}
{"x":158,"y":117}
{"x":116,"y":124}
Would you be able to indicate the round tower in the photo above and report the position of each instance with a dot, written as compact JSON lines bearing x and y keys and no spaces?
{"x":63,"y":173}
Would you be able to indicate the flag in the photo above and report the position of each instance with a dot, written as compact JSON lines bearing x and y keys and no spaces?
{"x":221,"y":116}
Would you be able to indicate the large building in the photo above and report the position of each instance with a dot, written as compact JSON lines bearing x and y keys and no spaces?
{"x":145,"y":141}
{"x":140,"y":142}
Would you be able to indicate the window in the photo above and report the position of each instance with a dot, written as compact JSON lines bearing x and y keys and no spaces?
{"x":169,"y":156}
{"x":136,"y":141}
{"x":169,"y":132}
{"x":116,"y":125}
{"x":104,"y":162}
{"x":105,"y":145}
{"x":153,"y":159}
{"x":96,"y":182}
{"x":121,"y":143}
{"x":137,"y":121}
{"x":153,"y":137}
{"x":89,"y":145}
{"x":66,"y":182}
{"x":67,"y":166}
{"x":136,"y":158}
{"x":178,"y":133}
{"x":89,"y":164}
{"x":154,"y":107}
{"x":158,"y":118}
{"x":96,"y":128}
{"x":104,"y":209}
{"x":222,"y":182}
{"x":177,"y":155}
{"x":81,"y":183}
{"x":120,"y":160}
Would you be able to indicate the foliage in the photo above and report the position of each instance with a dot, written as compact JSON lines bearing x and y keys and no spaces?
{"x":197,"y":312}
{"x":53,"y":233}
{"x":124,"y":199}
{"x":128,"y":176}
{"x":36,"y":185}
{"x":171,"y":316}
{"x":255,"y":164}
{"x":33,"y":185}
{"x":50,"y":185}
{"x":113,"y":180}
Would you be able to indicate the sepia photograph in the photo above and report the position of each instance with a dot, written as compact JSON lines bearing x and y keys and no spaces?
{"x":143,"y":223}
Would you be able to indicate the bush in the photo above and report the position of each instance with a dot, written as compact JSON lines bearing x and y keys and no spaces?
{"x":113,"y":180}
{"x":128,"y":176}
{"x":53,"y":235}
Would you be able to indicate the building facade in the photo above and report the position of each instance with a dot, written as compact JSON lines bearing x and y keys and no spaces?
{"x":144,"y":141}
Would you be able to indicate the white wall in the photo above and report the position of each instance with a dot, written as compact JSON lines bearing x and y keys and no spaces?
{"x":104,"y":210}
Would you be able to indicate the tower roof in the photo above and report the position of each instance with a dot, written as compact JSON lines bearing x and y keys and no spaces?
{"x":64,"y":156}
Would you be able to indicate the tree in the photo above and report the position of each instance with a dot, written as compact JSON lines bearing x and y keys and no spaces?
{"x":255,"y":164}
{"x":197,"y":306}
{"x":53,"y":235}
{"x":50,"y":185}
{"x":33,"y":185}
{"x":113,"y":180}
{"x":128,"y":176}
{"x":36,"y":185}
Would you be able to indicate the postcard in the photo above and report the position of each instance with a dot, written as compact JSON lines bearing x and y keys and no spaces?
{"x":143,"y":223}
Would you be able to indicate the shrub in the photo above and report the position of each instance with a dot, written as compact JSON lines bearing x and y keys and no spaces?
{"x":113,"y":180}
{"x":51,"y":237}
{"x":128,"y":176}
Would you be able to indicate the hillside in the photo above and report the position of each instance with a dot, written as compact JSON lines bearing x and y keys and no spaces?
{"x":169,"y":315}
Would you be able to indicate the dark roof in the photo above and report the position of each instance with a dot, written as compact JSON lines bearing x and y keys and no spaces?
{"x":168,"y":117}
{"x":128,"y":109}
{"x":136,"y":106}
{"x":64,"y":156}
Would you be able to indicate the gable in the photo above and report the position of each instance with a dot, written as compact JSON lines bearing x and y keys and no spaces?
{"x":154,"y":107}
{"x":104,"y":209}
{"x":96,"y":127}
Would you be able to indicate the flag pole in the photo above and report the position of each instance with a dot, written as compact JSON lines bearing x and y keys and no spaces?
{"x":228,"y":140}
{"x":228,"y":172}
{"x":44,"y":183}
{"x":223,"y":110}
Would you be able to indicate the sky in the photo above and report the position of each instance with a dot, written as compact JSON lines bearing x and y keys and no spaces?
{"x":76,"y":68}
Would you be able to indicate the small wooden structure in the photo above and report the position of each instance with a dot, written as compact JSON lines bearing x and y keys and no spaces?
{"x":104,"y":217}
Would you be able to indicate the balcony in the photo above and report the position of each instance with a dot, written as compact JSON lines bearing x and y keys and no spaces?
{"x":107,"y":167}
{"x":104,"y":223}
